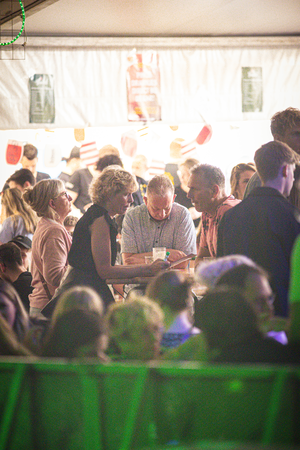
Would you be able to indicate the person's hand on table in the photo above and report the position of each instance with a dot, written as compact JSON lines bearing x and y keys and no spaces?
{"x":175,"y":255}
{"x":158,"y":265}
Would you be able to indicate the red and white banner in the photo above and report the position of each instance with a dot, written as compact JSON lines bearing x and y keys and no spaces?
{"x":89,"y":153}
{"x":14,"y":152}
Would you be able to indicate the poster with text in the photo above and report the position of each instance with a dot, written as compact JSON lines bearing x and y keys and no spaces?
{"x":42,"y":106}
{"x":143,"y":87}
{"x":252,"y":89}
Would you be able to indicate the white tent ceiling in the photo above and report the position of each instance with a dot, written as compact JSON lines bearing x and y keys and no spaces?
{"x":162,"y":18}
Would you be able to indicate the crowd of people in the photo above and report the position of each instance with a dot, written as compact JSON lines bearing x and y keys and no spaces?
{"x":55,"y":300}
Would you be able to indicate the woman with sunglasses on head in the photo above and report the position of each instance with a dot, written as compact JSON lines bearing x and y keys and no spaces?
{"x":51,"y":241}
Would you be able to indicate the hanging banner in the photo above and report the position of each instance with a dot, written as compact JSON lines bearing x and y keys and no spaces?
{"x":14,"y":152}
{"x":42,"y":107}
{"x":252,"y":89}
{"x":143,"y":87}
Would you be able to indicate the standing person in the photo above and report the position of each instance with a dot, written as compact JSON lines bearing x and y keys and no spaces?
{"x":285,"y":127}
{"x":19,"y":217}
{"x":182,"y":190}
{"x":94,"y":248}
{"x":159,"y":222}
{"x":21,"y":179}
{"x":51,"y":242}
{"x":265,"y":225}
{"x":207,"y":192}
{"x":73,"y":163}
{"x":30,"y":160}
{"x":239,"y":178}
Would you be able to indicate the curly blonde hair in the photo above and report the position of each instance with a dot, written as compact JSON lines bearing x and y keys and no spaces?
{"x":39,"y":196}
{"x":110,"y":182}
{"x":15,"y":206}
{"x":133,"y":328}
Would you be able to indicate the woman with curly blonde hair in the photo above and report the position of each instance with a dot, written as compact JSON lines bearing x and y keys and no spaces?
{"x":94,"y":248}
{"x":20,"y":219}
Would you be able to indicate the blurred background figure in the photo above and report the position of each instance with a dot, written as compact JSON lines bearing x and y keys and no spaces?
{"x":20,"y":219}
{"x":73,"y":163}
{"x":13,"y":271}
{"x":29,"y":161}
{"x":253,"y":282}
{"x":172,"y":290}
{"x":70,"y":223}
{"x":134,"y":330}
{"x":76,"y":328}
{"x":139,"y":169}
{"x":230,"y":327}
{"x":24,"y":244}
{"x":240,"y":175}
{"x":182,"y":190}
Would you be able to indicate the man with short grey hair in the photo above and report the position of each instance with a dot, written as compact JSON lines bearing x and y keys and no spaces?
{"x":159,"y":222}
{"x":207,"y":193}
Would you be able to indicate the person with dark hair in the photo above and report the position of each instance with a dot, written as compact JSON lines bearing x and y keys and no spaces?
{"x":24,"y":244}
{"x":239,"y":178}
{"x":172,"y":290}
{"x":13,"y":271}
{"x":21,"y":179}
{"x":230,"y":327}
{"x":265,"y":225}
{"x":73,"y":163}
{"x":207,"y":192}
{"x":108,"y":160}
{"x":29,"y":161}
{"x":285,"y":127}
{"x":253,"y":281}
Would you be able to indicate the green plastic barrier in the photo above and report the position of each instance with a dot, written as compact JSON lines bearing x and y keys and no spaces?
{"x":57,"y":405}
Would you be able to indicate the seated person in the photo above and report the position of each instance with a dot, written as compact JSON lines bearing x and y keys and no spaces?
{"x":13,"y":271}
{"x":24,"y":244}
{"x":230,"y":327}
{"x":159,"y":222}
{"x":134,"y":330}
{"x":172,"y":291}
{"x":76,"y":328}
{"x":253,"y":282}
{"x":70,"y":223}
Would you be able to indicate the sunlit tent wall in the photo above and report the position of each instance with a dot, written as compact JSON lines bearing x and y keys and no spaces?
{"x":199,"y":78}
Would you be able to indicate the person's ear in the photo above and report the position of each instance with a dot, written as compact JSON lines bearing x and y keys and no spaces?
{"x":2,"y":267}
{"x":145,"y":200}
{"x":215,"y":190}
{"x":284,"y":171}
{"x":26,"y":185}
{"x":51,"y":203}
{"x":175,"y":195}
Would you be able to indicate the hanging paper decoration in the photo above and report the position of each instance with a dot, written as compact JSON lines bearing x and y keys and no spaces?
{"x":129,"y":143}
{"x":89,"y":153}
{"x":14,"y":152}
{"x":52,"y":154}
{"x":143,"y":86}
